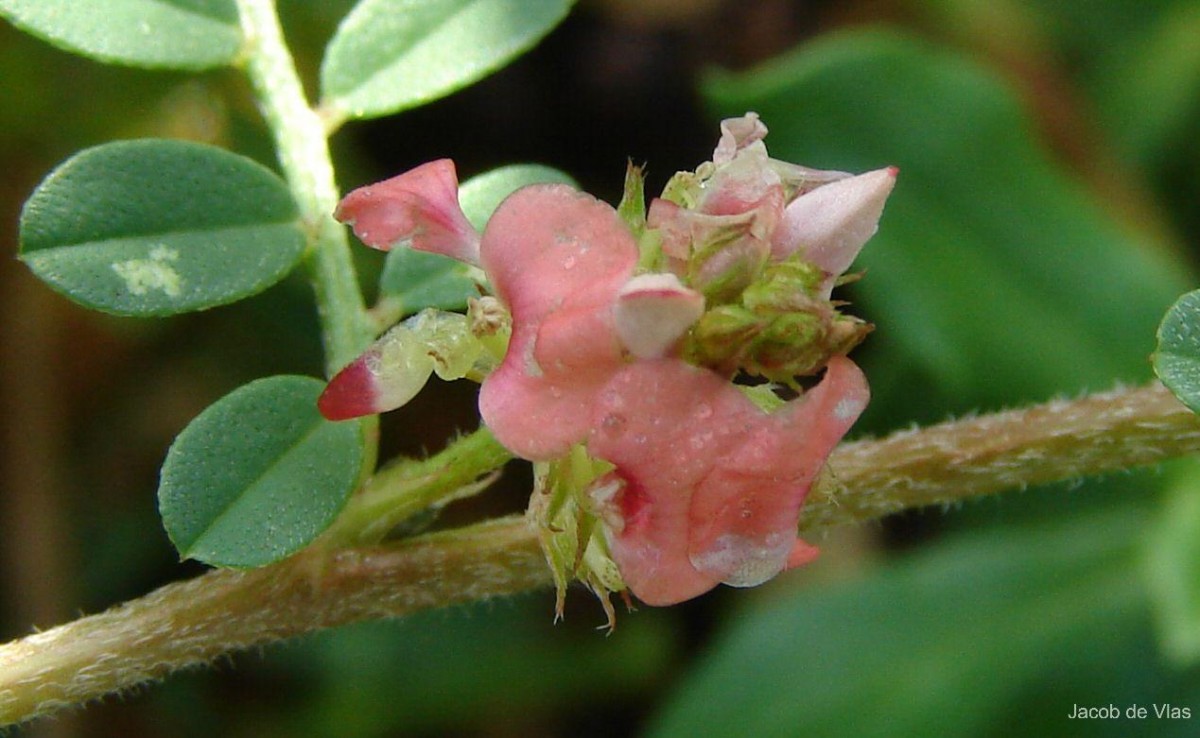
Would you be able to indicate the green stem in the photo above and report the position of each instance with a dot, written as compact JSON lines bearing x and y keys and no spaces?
{"x":409,"y":486}
{"x":303,"y":150}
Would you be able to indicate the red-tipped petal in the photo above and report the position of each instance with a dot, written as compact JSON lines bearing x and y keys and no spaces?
{"x":386,"y":376}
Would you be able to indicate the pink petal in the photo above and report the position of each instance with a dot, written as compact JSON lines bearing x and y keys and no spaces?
{"x":710,"y":487}
{"x":742,"y":241}
{"x":557,"y":257}
{"x":663,"y":423}
{"x":830,"y":224}
{"x":745,"y":514}
{"x":384,"y":377}
{"x":419,"y":206}
{"x":653,"y":312}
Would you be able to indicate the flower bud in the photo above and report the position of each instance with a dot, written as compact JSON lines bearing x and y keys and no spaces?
{"x":829,"y":225}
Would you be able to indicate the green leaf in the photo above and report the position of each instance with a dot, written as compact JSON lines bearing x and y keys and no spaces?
{"x":1173,"y":565}
{"x":172,"y":34}
{"x":480,"y":195}
{"x":994,"y":277}
{"x":258,"y":475}
{"x":391,"y":55}
{"x":981,"y":635}
{"x":155,"y":227}
{"x":420,"y":280}
{"x":1177,"y":360}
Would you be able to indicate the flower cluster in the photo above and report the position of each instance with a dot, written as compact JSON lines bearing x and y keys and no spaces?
{"x":626,"y":334}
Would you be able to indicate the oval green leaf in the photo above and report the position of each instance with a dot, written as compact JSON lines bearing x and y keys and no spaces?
{"x":258,"y":475}
{"x":391,"y":55}
{"x":164,"y":34}
{"x":1177,"y":360}
{"x":419,"y":280}
{"x":155,"y":227}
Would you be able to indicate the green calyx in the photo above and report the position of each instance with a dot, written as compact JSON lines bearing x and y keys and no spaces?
{"x":571,"y":539}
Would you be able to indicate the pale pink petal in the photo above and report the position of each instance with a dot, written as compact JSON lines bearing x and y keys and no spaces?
{"x":830,"y":224}
{"x":557,"y":258}
{"x":748,"y":183}
{"x":737,"y":134}
{"x":653,"y":312}
{"x":420,"y":207}
{"x":384,"y":377}
{"x":799,"y":179}
{"x":741,"y":240}
{"x":667,"y":218}
{"x":802,"y":554}
{"x":745,"y":514}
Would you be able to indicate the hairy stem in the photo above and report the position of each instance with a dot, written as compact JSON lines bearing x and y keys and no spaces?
{"x":304,"y":156}
{"x":1059,"y":440}
{"x":196,"y":621}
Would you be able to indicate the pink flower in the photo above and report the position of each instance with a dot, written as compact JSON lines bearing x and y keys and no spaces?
{"x":562,"y":262}
{"x":708,"y":488}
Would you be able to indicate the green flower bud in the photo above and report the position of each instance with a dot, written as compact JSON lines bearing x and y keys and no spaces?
{"x":721,"y":337}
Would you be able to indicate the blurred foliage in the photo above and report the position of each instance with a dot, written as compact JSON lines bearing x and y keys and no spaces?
{"x":1043,"y":222}
{"x":996,"y":633}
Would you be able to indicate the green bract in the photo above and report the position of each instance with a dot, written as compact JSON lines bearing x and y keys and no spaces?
{"x":1177,"y":360}
{"x":258,"y":475}
{"x":156,"y":227}
{"x":173,"y":34}
{"x":420,"y":280}
{"x":391,"y":55}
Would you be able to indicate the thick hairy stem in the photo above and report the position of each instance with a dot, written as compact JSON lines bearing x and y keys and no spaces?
{"x":196,"y":621}
{"x":1063,"y":439}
